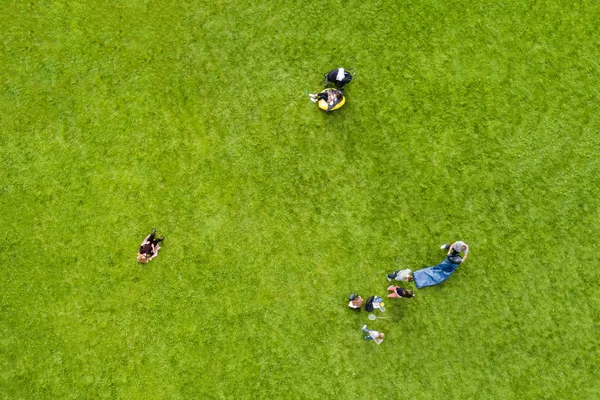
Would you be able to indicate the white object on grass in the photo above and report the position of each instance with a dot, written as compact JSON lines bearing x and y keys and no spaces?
{"x":373,"y":317}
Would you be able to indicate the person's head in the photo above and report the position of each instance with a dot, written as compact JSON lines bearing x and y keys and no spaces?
{"x":405,"y":292}
{"x":410,"y":278}
{"x":460,"y":246}
{"x":380,"y":335}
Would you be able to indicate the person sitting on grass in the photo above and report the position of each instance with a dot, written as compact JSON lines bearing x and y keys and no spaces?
{"x":438,"y":274}
{"x":400,"y":292}
{"x":339,"y":77}
{"x":149,"y":248}
{"x":331,"y":96}
{"x":356,"y":301}
{"x":375,"y":336}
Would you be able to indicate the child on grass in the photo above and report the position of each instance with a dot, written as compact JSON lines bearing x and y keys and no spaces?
{"x":375,"y":336}
{"x":401,"y":275}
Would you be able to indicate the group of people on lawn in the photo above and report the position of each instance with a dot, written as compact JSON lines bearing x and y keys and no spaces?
{"x":456,"y":255}
{"x":333,"y":98}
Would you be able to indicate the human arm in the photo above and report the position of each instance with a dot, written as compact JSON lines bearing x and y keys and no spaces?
{"x":450,"y":249}
{"x":155,"y":249}
{"x":466,"y":252}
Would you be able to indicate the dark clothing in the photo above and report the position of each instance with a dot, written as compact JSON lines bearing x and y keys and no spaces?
{"x":455,"y":257}
{"x":146,"y":248}
{"x":322,"y":96}
{"x":453,"y":252}
{"x":331,"y":76}
{"x":369,"y":304}
{"x":400,"y":292}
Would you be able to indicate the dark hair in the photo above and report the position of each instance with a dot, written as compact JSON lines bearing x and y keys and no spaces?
{"x":404,"y":292}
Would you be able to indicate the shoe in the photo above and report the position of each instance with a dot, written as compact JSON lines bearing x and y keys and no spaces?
{"x":388,"y":278}
{"x":162,"y":238}
{"x":364,"y":327}
{"x":444,"y":247}
{"x":154,"y":231}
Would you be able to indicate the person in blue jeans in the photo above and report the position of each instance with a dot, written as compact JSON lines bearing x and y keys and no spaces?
{"x":438,"y":274}
{"x":375,"y":336}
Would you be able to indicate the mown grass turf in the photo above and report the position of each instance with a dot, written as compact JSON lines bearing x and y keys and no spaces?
{"x":473,"y":121}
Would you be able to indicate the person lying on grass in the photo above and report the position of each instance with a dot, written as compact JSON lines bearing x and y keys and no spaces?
{"x":398,"y":291}
{"x":375,"y":336}
{"x":331,"y":96}
{"x":149,"y":248}
{"x":438,"y":274}
{"x":401,"y":275}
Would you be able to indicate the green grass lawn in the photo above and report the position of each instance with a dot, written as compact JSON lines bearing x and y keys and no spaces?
{"x":468,"y":120}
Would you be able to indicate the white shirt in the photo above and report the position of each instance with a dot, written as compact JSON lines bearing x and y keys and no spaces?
{"x":403,"y":275}
{"x":374,"y":334}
